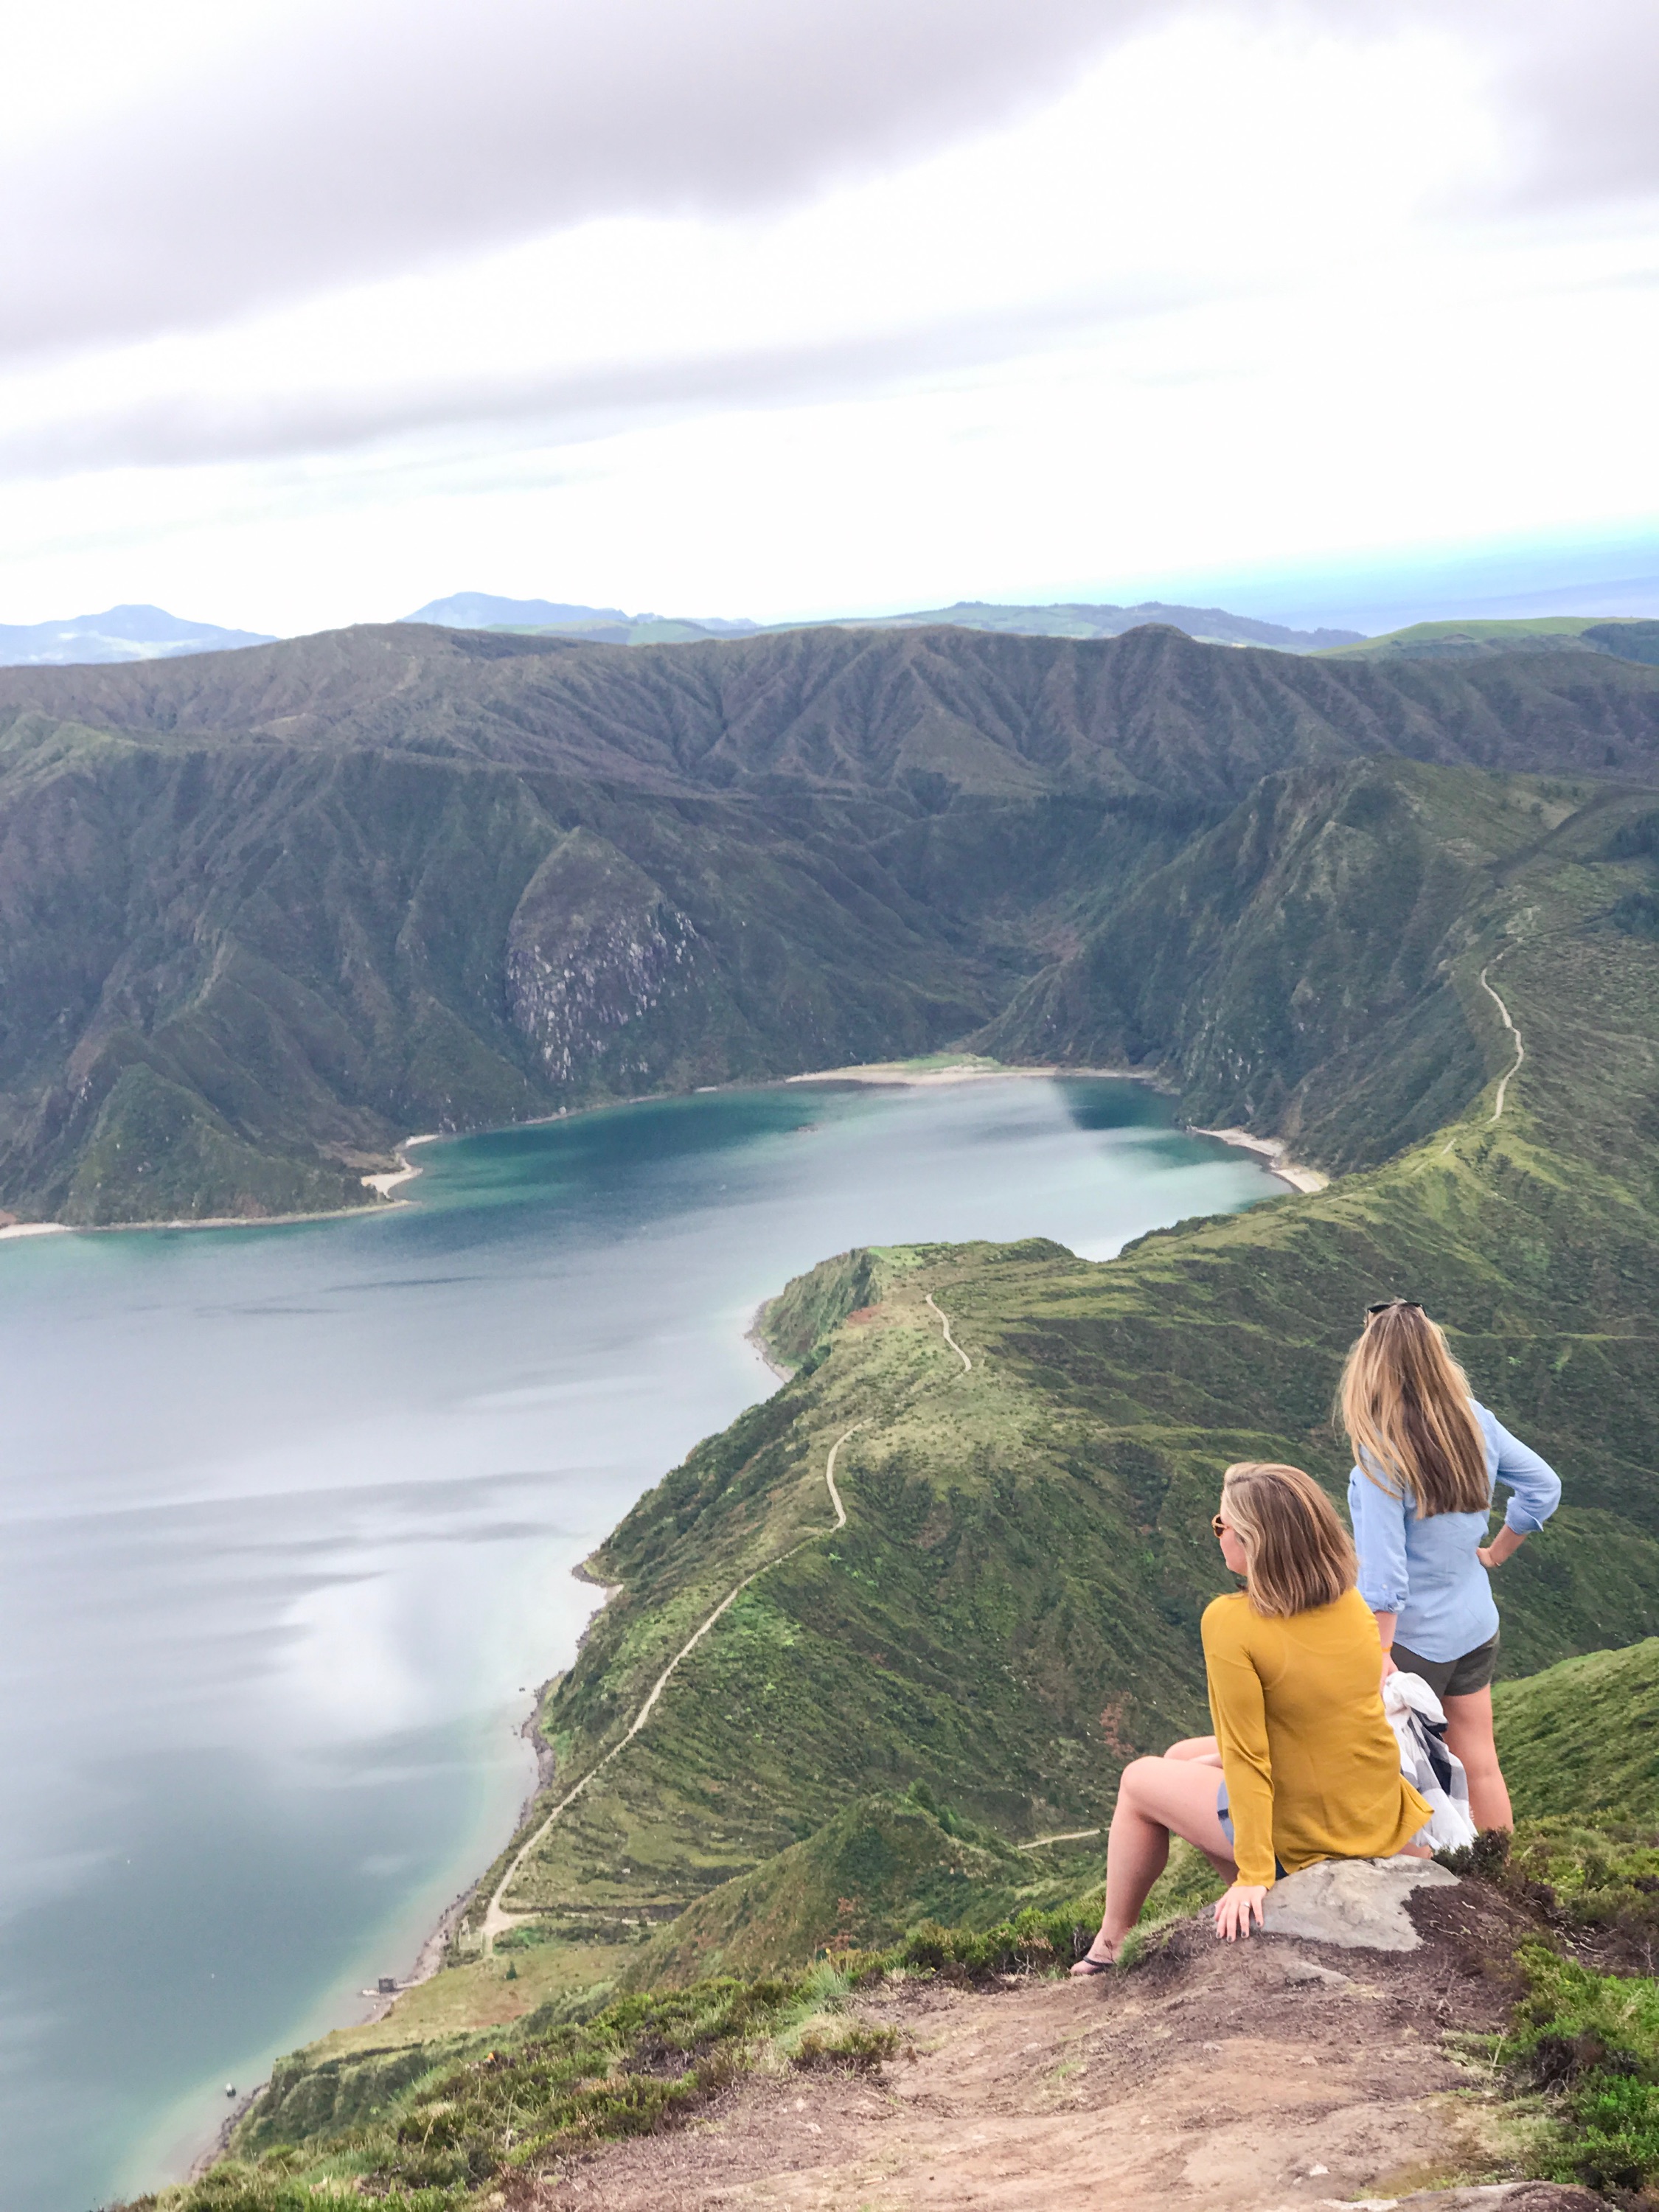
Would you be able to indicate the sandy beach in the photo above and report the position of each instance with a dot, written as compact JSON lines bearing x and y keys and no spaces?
{"x":1273,"y":1149}
{"x":923,"y":1075}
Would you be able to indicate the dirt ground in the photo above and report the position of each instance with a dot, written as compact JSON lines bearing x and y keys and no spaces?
{"x":1275,"y":2073}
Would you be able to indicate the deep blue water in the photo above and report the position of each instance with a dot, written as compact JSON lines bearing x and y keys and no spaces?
{"x":287,"y":1517}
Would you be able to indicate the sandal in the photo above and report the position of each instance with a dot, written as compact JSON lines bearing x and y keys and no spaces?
{"x":1088,"y":1966}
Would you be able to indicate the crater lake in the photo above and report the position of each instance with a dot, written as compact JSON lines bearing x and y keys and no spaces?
{"x":290,"y":1514}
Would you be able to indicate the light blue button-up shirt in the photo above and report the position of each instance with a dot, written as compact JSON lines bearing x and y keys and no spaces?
{"x":1426,"y":1571}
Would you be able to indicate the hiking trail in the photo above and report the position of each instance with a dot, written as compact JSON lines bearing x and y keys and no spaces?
{"x":497,"y":1917}
{"x":1510,"y":1073}
{"x":1274,"y":2073}
{"x":1520,"y":1050}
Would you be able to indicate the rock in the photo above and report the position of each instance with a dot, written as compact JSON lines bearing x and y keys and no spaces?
{"x":1304,"y":1970}
{"x":1357,"y":1904}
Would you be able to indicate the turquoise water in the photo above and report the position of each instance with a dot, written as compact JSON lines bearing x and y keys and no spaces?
{"x":289,"y":1517}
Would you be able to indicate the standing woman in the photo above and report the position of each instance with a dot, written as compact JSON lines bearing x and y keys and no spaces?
{"x":1428,"y":1457}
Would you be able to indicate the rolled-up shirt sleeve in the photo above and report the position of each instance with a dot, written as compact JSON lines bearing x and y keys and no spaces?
{"x":1379,"y":1537}
{"x":1534,"y":1486}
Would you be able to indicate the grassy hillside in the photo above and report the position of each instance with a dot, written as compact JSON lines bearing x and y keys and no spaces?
{"x":1010,"y":1611}
{"x":263,"y":913}
{"x":1581,"y":1740}
{"x":1473,"y":638}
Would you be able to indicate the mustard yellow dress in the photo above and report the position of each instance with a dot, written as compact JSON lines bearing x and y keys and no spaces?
{"x":1312,"y":1765}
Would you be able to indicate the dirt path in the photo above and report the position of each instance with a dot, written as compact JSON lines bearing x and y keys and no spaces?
{"x":1213,"y":2078}
{"x":967,"y":1364}
{"x":1520,"y":1050}
{"x":497,"y":1918}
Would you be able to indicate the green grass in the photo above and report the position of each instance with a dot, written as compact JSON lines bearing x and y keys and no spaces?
{"x":450,"y":881}
{"x":1581,"y":1740}
{"x":858,"y":1883}
{"x":1012,"y":1608}
{"x":1587,"y":2045}
{"x":429,"y":2137}
{"x":1473,"y":632}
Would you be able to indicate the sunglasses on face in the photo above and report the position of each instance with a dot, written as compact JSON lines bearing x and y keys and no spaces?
{"x":1388,"y":1305}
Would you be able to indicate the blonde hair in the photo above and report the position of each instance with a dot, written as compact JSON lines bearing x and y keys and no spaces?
{"x":1297,"y":1554}
{"x":1409,"y":1413}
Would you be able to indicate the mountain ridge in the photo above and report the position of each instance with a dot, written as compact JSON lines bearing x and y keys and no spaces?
{"x":120,"y":634}
{"x":267,"y":911}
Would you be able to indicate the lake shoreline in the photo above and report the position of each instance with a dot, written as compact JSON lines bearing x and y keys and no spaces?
{"x":872,"y":1080}
{"x":1300,"y":1177}
{"x":896,"y":1072}
{"x":381,"y":1184}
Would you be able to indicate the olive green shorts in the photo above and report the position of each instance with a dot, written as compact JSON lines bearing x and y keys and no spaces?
{"x":1452,"y":1678}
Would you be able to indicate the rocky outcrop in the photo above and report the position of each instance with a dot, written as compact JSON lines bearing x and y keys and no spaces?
{"x":594,"y":945}
{"x":1358,"y":1905}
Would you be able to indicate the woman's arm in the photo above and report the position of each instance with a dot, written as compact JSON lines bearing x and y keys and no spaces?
{"x":1239,"y":1710}
{"x":1535,"y":1486}
{"x":1503,"y":1546}
{"x":1379,"y":1537}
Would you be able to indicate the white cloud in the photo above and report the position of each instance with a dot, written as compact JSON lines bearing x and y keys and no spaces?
{"x":1107,"y":301}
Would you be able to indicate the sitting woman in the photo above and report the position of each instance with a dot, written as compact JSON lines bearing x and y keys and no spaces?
{"x":1310,"y":1767}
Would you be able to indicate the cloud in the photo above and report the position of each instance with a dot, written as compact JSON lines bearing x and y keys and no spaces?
{"x":557,"y":404}
{"x":375,"y":135}
{"x":337,"y":144}
{"x":1582,"y":84}
{"x":1576,"y":88}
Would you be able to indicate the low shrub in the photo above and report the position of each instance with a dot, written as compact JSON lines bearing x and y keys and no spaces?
{"x":1589,"y":2044}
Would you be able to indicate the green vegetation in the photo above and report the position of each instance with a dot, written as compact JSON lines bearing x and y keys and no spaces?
{"x":1590,"y":2042}
{"x":267,"y":912}
{"x":423,"y":2137}
{"x":462,"y":877}
{"x":1624,"y":636}
{"x":425,"y":2131}
{"x":1582,"y":1741}
{"x":857,"y":1884}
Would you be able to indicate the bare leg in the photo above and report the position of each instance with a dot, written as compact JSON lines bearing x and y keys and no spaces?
{"x":1196,"y":1746}
{"x":1155,"y":1798}
{"x":1468,"y":1733}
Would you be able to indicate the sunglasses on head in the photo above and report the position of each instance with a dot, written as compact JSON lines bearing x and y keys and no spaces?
{"x":1216,"y":1523}
{"x":1388,"y":1305}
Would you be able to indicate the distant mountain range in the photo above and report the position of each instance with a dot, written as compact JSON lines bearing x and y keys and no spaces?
{"x":611,"y":626}
{"x":146,"y":632}
{"x":1208,"y":625}
{"x":118,"y":634}
{"x":593,"y":625}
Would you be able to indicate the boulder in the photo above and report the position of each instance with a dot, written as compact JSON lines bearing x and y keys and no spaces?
{"x":1357,"y":1904}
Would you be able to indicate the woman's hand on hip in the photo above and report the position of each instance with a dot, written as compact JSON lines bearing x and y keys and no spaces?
{"x":1245,"y":1900}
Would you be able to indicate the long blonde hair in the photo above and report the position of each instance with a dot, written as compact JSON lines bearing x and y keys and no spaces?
{"x":1297,"y":1553}
{"x":1409,"y":1413}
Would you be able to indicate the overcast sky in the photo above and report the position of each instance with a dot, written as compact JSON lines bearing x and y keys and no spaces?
{"x":310,"y":313}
